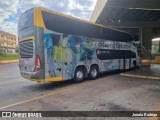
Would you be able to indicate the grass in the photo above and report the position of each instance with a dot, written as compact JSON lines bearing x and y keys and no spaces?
{"x":9,"y":57}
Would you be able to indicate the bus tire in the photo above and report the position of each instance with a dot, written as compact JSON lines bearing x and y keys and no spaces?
{"x":79,"y":75}
{"x":94,"y":72}
{"x":134,"y":65}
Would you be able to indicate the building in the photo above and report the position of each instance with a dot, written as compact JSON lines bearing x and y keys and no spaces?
{"x":7,"y":42}
{"x":139,"y":17}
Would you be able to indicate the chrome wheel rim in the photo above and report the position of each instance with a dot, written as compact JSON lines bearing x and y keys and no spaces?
{"x":79,"y":75}
{"x":94,"y":72}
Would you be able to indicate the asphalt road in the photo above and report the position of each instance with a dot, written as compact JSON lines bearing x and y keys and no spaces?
{"x":111,"y":92}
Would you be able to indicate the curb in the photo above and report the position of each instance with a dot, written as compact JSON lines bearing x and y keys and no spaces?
{"x":154,"y":77}
{"x":8,"y":61}
{"x":141,"y":76}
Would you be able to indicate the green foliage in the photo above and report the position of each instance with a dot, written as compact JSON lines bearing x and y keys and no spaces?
{"x":2,"y":53}
{"x":9,"y":56}
{"x":155,"y":49}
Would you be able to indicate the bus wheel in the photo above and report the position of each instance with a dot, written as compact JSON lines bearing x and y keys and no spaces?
{"x":93,"y":74}
{"x":79,"y":75}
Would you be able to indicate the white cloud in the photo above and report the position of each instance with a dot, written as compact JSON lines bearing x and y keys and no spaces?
{"x":9,"y":27}
{"x":14,"y":8}
{"x":8,"y":8}
{"x":61,"y":4}
{"x":82,"y":8}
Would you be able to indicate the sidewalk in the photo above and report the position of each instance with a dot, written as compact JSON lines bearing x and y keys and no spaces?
{"x":147,"y":72}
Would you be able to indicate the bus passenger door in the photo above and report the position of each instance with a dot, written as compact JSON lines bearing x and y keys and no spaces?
{"x":124,"y":59}
{"x":127,"y":59}
{"x":121,"y":59}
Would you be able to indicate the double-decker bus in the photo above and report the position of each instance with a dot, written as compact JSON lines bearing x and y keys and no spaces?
{"x":57,"y":47}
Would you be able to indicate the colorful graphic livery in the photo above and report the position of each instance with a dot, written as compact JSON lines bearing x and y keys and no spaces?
{"x":56,"y":47}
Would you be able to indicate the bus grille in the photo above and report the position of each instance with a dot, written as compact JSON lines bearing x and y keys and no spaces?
{"x":26,"y":49}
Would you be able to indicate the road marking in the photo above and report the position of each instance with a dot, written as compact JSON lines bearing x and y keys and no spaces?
{"x":49,"y":94}
{"x":154,"y":77}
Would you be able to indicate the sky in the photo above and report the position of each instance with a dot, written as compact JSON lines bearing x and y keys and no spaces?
{"x":10,"y":10}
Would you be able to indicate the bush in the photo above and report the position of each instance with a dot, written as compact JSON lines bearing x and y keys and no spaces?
{"x":9,"y":56}
{"x":2,"y":53}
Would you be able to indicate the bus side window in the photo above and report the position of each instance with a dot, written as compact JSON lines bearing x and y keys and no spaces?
{"x":127,"y":54}
{"x":133,"y":55}
{"x":120,"y":54}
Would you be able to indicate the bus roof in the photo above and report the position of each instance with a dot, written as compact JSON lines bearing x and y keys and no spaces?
{"x":38,"y":21}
